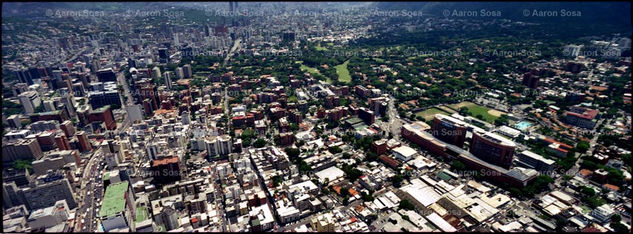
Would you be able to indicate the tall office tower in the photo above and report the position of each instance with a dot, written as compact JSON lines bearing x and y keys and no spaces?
{"x":207,"y":30}
{"x":168,"y":80}
{"x":156,"y":72}
{"x":530,"y":80}
{"x":176,"y":39}
{"x":29,"y":101}
{"x":84,"y":144}
{"x":449,"y":129}
{"x":187,"y":70}
{"x":493,"y":149}
{"x":24,"y":76}
{"x":163,"y":55}
{"x":180,"y":74}
{"x":106,"y":75}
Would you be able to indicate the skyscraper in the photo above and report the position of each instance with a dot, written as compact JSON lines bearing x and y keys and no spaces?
{"x":180,"y":74}
{"x":163,"y":55}
{"x":168,"y":80}
{"x":187,"y":71}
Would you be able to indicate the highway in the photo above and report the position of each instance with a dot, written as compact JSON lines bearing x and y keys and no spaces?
{"x":91,"y":189}
{"x":395,"y":123}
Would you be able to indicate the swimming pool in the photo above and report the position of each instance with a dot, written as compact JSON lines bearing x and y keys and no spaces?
{"x":522,"y":125}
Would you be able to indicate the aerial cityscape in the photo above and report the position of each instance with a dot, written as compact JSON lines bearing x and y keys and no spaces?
{"x":316,"y":117}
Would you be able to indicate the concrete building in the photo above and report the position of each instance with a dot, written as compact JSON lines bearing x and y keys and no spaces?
{"x":14,"y":122}
{"x":404,"y":153}
{"x":535,"y":161}
{"x":22,"y":149}
{"x":582,"y":117}
{"x":54,"y":188}
{"x":134,"y":113}
{"x":218,"y":145}
{"x":180,"y":74}
{"x":188,"y":73}
{"x":449,"y":129}
{"x":118,"y":208}
{"x":323,"y":223}
{"x":46,"y":218}
{"x":167,"y":76}
{"x":493,"y":149}
{"x":603,"y":213}
{"x":29,"y":101}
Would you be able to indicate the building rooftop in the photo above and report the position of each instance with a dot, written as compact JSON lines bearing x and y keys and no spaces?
{"x":405,"y":151}
{"x":114,"y":199}
{"x":141,"y":214}
{"x":537,"y":157}
{"x":164,"y":161}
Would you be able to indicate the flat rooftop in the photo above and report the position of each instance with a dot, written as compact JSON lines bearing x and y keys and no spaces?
{"x":114,"y":199}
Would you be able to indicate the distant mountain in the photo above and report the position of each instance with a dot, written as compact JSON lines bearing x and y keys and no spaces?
{"x":34,"y":9}
{"x":595,"y":12}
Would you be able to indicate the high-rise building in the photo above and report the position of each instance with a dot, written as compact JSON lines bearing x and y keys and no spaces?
{"x":156,"y":72}
{"x":42,"y":219}
{"x":180,"y":74}
{"x":188,"y":73}
{"x":167,"y":76}
{"x":163,"y":55}
{"x":62,"y":142}
{"x":366,"y":115}
{"x":68,"y":128}
{"x":530,"y":80}
{"x":23,"y":149}
{"x":166,"y":170}
{"x":449,"y":129}
{"x":493,"y":149}
{"x":218,"y":145}
{"x":176,"y":39}
{"x":103,"y":114}
{"x":29,"y":101}
{"x":14,"y":122}
{"x":106,"y":75}
{"x":84,"y":144}
{"x":98,"y":99}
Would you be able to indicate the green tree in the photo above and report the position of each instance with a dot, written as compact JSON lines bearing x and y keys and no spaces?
{"x":397,"y":180}
{"x":259,"y":143}
{"x":406,"y":204}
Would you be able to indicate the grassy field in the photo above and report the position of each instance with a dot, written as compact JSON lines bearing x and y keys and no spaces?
{"x":309,"y":69}
{"x":312,"y":70}
{"x":475,"y":110}
{"x":343,"y":73}
{"x":429,"y":114}
{"x":379,"y":60}
{"x":320,"y":48}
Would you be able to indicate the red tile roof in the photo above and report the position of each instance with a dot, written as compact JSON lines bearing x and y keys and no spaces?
{"x":164,"y":161}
